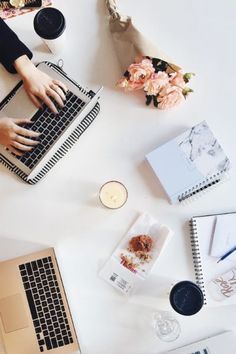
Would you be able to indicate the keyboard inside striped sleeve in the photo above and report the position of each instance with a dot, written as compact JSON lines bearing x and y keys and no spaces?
{"x":46,"y":305}
{"x":50,"y":126}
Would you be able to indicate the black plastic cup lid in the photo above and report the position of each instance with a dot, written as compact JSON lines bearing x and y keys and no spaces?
{"x":186,"y":298}
{"x":49,"y":23}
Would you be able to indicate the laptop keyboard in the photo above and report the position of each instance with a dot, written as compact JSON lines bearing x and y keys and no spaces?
{"x":46,"y":305}
{"x":51,"y":126}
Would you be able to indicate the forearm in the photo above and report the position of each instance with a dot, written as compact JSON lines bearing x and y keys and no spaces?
{"x":11,"y":47}
{"x":24,"y":66}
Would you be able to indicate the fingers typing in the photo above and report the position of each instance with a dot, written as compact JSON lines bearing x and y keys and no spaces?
{"x":15,"y":151}
{"x":57,"y":98}
{"x":59,"y":91}
{"x":35,"y":100}
{"x":21,"y":147}
{"x":60,"y":84}
{"x":26,"y":132}
{"x":50,"y":104}
{"x":25,"y":141}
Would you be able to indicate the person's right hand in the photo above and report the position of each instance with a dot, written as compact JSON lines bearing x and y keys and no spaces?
{"x":16,"y":138}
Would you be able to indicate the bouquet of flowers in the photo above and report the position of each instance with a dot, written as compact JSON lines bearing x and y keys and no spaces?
{"x":164,"y":89}
{"x":144,"y":65}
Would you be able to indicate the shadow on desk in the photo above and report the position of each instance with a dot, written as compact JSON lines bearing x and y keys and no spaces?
{"x":151,"y":180}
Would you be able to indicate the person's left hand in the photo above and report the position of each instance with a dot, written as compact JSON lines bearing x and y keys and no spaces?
{"x":39,"y":86}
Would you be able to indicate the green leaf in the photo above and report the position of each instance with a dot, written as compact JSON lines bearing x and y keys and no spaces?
{"x":187,"y":77}
{"x":126,"y":74}
{"x":186,"y":91}
{"x":159,"y":65}
{"x":148,"y":100}
{"x":155,"y":102}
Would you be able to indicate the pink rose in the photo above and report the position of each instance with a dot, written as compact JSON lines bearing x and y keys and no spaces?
{"x":139,"y":74}
{"x":156,"y":82}
{"x":177,"y":79}
{"x":169,"y":96}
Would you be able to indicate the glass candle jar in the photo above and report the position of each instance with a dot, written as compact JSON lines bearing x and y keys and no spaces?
{"x":113,"y":194}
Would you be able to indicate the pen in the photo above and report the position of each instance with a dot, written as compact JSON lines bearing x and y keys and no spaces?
{"x":227,"y":254}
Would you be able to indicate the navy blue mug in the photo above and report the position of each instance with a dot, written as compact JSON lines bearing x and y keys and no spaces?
{"x":186,"y":298}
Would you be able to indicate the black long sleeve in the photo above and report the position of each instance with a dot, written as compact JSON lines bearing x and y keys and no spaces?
{"x":11,"y":47}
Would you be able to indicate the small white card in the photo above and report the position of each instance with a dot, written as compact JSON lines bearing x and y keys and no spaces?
{"x":136,"y":254}
{"x":224,"y":238}
{"x":118,"y":276}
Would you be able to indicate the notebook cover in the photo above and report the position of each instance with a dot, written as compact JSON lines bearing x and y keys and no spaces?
{"x":6,"y":11}
{"x":224,"y":236}
{"x":218,"y":344}
{"x":206,"y":267}
{"x":189,"y":163}
{"x":9,"y":4}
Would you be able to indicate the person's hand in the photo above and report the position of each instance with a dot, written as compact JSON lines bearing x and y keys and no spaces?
{"x":16,"y":138}
{"x":39,"y":86}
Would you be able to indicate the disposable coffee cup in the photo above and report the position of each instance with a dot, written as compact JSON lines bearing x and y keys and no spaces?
{"x":50,"y":24}
{"x":186,"y":298}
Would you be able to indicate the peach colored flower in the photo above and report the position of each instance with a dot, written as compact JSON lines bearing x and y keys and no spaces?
{"x":123,"y":83}
{"x":169,"y":96}
{"x":156,"y":82}
{"x":177,"y":79}
{"x":139,"y":74}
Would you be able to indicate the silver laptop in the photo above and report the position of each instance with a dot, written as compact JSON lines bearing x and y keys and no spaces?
{"x":58,"y":132}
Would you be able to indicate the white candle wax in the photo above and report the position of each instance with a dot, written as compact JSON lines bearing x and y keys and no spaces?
{"x":113,"y":194}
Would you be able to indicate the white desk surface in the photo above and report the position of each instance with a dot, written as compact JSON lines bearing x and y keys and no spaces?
{"x":63,"y":210}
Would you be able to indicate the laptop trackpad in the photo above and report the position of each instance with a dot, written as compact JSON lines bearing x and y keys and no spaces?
{"x":13,"y":313}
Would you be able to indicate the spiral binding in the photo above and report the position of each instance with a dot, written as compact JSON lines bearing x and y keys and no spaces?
{"x":201,"y":187}
{"x":68,"y":143}
{"x":197,"y":263}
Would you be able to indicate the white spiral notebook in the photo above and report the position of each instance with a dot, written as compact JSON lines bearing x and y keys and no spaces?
{"x":202,"y":232}
{"x":189,"y":163}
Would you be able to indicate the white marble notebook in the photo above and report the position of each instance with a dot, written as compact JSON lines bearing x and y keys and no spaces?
{"x":189,"y":163}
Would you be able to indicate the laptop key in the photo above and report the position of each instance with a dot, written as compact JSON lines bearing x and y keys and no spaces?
{"x":54,"y":343}
{"x":66,"y":340}
{"x":36,"y":323}
{"x":48,"y":343}
{"x":38,"y":330}
{"x":31,"y":304}
{"x":29,"y":269}
{"x":40,"y":263}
